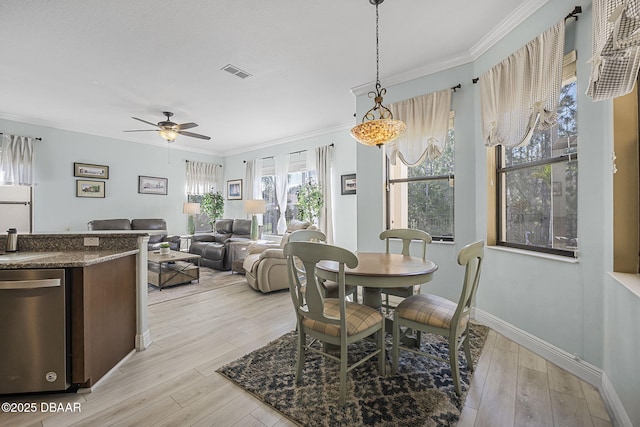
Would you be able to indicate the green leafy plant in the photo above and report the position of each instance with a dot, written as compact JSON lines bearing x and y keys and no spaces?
{"x":212,"y":205}
{"x":310,"y":201}
{"x":165,"y":245}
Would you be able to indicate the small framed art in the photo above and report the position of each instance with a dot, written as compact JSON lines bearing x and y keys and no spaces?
{"x":152,"y":185}
{"x":348,"y":184}
{"x":85,"y":170}
{"x":86,"y":188}
{"x":234,"y":189}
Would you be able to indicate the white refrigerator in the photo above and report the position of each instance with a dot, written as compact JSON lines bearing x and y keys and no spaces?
{"x":15,"y":208}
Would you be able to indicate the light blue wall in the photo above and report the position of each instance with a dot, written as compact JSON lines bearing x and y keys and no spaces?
{"x":574,"y":306}
{"x":343,"y":162}
{"x":56,"y":207}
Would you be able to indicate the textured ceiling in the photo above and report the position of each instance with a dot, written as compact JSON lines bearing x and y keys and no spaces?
{"x":89,"y":65}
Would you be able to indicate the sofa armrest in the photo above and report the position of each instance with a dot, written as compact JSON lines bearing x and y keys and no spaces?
{"x":173,"y":238}
{"x":255,"y":248}
{"x":273,"y":253}
{"x":202,"y":238}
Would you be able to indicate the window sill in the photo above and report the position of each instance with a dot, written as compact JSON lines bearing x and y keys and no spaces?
{"x":542,"y":255}
{"x":628,"y":280}
{"x":443,"y":242}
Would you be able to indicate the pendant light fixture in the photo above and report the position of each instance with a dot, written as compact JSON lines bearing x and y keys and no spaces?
{"x":384,"y":129}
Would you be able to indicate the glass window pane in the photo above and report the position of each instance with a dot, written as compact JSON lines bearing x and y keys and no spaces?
{"x":423,"y":205}
{"x":558,"y":140}
{"x":541,"y":206}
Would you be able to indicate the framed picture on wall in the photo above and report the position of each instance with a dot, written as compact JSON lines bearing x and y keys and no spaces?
{"x":234,"y":189}
{"x":85,"y":170}
{"x":348,"y":184}
{"x":152,"y":185}
{"x":86,"y":188}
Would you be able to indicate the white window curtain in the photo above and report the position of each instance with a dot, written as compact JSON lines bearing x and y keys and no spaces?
{"x":16,"y":160}
{"x":203,"y":177}
{"x":253,"y":175}
{"x":323,"y":156}
{"x":616,"y":48}
{"x":522,"y":92}
{"x":427,"y":120}
{"x":282,"y":184}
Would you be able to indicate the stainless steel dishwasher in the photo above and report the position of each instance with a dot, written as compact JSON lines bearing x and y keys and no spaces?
{"x":33,"y":331}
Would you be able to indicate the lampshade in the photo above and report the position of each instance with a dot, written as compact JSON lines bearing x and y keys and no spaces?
{"x":256,"y":206}
{"x":191,"y":208}
{"x":378,"y":132}
{"x":169,"y":134}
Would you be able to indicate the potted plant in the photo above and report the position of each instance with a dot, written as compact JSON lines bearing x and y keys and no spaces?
{"x":310,"y":201}
{"x":212,"y":205}
{"x":165,"y":248}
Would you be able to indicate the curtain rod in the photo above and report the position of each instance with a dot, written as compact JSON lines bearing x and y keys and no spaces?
{"x":37,"y":139}
{"x":573,"y":14}
{"x":294,"y":152}
{"x":214,"y":164}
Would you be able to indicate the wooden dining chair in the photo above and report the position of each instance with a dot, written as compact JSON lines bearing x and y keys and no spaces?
{"x":437,"y":315}
{"x":330,"y":289}
{"x":330,"y":320}
{"x":407,"y":235}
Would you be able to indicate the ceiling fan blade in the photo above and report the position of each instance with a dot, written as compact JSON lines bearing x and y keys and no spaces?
{"x":187,"y":126}
{"x":141,"y":130}
{"x":194,"y":135}
{"x":144,"y":121}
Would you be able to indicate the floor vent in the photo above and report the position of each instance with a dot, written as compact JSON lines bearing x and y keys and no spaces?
{"x":236,"y":71}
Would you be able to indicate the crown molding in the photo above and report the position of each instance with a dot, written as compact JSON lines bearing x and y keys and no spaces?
{"x":415,"y":73}
{"x":513,"y":20}
{"x":292,"y":138}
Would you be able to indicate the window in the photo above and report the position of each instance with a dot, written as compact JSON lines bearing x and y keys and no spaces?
{"x":298,"y":175}
{"x":537,"y":186}
{"x":422,"y":197}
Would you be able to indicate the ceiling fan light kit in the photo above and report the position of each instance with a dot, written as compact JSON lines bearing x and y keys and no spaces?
{"x":372,"y":131}
{"x":169,"y":130}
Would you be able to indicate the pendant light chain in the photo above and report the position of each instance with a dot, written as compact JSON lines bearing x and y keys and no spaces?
{"x":380,"y":130}
{"x":377,"y":49}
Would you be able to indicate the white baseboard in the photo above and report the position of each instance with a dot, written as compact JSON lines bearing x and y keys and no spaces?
{"x":616,"y":409}
{"x":553,"y":354}
{"x":580,"y":368}
{"x":143,"y":340}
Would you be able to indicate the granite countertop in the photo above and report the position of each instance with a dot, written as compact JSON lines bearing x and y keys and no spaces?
{"x":61,"y":259}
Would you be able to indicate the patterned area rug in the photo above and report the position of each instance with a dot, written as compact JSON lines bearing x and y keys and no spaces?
{"x":210,"y":279}
{"x":420,"y":394}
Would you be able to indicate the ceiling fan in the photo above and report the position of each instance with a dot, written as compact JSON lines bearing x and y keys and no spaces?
{"x":170,"y":130}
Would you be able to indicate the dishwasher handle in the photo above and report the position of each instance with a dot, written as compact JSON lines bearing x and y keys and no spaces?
{"x":29,"y":284}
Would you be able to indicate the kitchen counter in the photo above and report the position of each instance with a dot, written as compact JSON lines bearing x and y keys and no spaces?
{"x":88,"y":250}
{"x":61,"y":259}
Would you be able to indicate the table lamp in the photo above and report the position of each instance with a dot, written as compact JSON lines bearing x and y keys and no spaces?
{"x":254,"y":207}
{"x":191,"y":209}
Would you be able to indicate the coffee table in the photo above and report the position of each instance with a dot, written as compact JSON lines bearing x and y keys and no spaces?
{"x":174,"y":268}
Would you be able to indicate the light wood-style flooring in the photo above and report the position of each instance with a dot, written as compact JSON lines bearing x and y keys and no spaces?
{"x":174,"y":383}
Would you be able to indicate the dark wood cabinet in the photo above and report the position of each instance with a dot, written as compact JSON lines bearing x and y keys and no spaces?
{"x":103,"y":317}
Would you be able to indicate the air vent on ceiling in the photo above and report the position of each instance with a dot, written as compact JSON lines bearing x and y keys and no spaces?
{"x":235,"y":71}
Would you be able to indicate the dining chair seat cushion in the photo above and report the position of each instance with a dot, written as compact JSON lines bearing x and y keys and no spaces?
{"x":359,"y":318}
{"x":430,"y":310}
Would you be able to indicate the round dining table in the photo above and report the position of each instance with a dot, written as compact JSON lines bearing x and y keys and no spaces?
{"x":380,"y":270}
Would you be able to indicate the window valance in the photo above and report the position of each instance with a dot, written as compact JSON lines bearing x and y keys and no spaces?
{"x":616,"y":48}
{"x":521,"y":93}
{"x":427,"y":120}
{"x":202,"y":177}
{"x":16,"y":160}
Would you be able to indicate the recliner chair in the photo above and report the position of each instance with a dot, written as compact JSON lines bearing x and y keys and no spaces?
{"x":266,"y":266}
